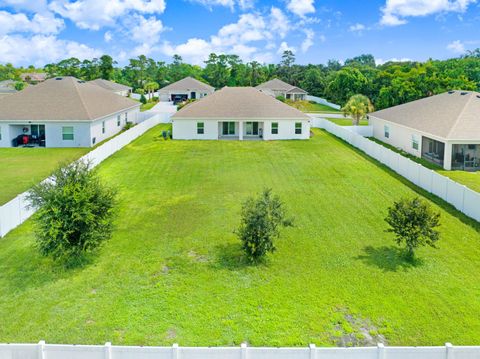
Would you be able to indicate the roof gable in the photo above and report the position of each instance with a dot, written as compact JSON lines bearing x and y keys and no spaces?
{"x":110,"y":85}
{"x":279,"y":85}
{"x":187,"y":84}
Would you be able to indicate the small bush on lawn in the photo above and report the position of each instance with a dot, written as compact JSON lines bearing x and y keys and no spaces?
{"x":414,"y":223}
{"x":260,"y":225}
{"x":128,"y":126}
{"x":75,"y":212}
{"x":143,"y":99}
{"x":280,"y":98}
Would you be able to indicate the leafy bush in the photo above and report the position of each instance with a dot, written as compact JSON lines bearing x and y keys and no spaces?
{"x":280,"y":98}
{"x":75,"y":212}
{"x":140,"y":91}
{"x":414,"y":223}
{"x":185,"y":103}
{"x":128,"y":126}
{"x":143,"y":99}
{"x":261,"y":219}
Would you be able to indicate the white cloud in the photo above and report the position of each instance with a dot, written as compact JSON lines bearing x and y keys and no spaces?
{"x":41,"y":49}
{"x":27,"y":5}
{"x":279,"y":21}
{"x":285,"y":47}
{"x":308,"y":41}
{"x":393,"y":59}
{"x":357,"y":28}
{"x":301,"y":7}
{"x":146,"y":30}
{"x":45,"y":23}
{"x":108,"y":36}
{"x":456,"y":47}
{"x":395,"y":11}
{"x":242,"y":4}
{"x":95,"y":14}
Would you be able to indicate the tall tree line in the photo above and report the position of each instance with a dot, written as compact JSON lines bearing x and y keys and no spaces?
{"x":386,"y":85}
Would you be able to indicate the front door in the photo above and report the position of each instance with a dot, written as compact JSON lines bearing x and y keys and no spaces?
{"x":193,"y":95}
{"x":37,"y":132}
{"x":228,"y":128}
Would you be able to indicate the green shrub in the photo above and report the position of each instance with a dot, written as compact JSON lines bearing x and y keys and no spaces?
{"x":128,"y":126}
{"x":414,"y":223}
{"x":140,"y":91}
{"x":261,"y":219}
{"x":75,"y":212}
{"x":280,"y":98}
{"x":143,"y":99}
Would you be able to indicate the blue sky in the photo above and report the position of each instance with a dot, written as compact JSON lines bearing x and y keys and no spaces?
{"x":42,"y":31}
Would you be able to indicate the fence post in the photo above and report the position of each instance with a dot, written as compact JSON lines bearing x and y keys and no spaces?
{"x":449,"y":351}
{"x":175,"y":351}
{"x":380,"y":351}
{"x":313,"y":351}
{"x":243,"y":351}
{"x":108,"y":350}
{"x":41,"y":347}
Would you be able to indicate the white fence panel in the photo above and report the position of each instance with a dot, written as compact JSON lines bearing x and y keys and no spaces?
{"x":465,"y":353}
{"x":348,"y":353}
{"x":278,"y":353}
{"x":323,"y":102}
{"x":141,"y":352}
{"x":19,"y":351}
{"x":464,"y":199}
{"x":74,"y":352}
{"x":415,"y":353}
{"x":17,"y":211}
{"x":209,"y":353}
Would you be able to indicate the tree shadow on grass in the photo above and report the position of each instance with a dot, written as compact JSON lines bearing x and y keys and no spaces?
{"x":389,"y":259}
{"x":230,"y":256}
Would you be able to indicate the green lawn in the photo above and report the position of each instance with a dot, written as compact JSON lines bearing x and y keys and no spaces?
{"x":346,"y":121}
{"x":147,"y":106}
{"x":307,"y":106}
{"x":173,"y":271}
{"x":469,"y":179}
{"x":22,"y":167}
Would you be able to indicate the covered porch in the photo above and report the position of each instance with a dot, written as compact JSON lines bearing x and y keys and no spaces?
{"x":240,"y":130}
{"x":466,"y":157}
{"x":27,"y":135}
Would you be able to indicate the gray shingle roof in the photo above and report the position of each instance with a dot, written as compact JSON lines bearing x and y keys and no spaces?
{"x":186,"y":85}
{"x":110,"y":85}
{"x":7,"y":87}
{"x":62,"y":99}
{"x":453,"y":115}
{"x":279,"y":85}
{"x":239,"y":103}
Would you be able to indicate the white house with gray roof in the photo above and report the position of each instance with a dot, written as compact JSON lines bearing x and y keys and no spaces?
{"x":185,"y":89}
{"x":63,"y":112}
{"x":442,"y":129}
{"x":277,"y":87}
{"x":240,"y":113}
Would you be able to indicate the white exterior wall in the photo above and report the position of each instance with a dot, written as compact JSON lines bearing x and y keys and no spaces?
{"x":187,"y":129}
{"x":83,"y":132}
{"x":167,"y":96}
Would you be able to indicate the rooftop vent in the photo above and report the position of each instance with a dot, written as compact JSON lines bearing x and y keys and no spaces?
{"x":450,"y":92}
{"x":463,"y":93}
{"x":81,"y":81}
{"x":478,"y":96}
{"x":58,"y":78}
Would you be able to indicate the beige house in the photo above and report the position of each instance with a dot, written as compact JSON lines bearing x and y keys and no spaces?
{"x":114,"y":87}
{"x":185,"y":89}
{"x":240,"y":113}
{"x":442,"y":129}
{"x":278,"y":88}
{"x":63,"y":112}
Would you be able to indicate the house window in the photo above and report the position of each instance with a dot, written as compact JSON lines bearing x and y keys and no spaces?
{"x":118,"y":121}
{"x":126,"y":117}
{"x":228,"y":128}
{"x":200,"y":128}
{"x":298,"y":128}
{"x":94,"y":140}
{"x":0,"y":133}
{"x":103,"y":126}
{"x":414,"y":142}
{"x":274,"y":128}
{"x":386,"y":131}
{"x":67,"y":133}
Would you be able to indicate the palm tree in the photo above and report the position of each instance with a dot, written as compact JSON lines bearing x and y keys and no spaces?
{"x":151,"y":87}
{"x":357,"y":107}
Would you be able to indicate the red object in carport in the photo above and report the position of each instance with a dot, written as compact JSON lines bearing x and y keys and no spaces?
{"x":25,"y":140}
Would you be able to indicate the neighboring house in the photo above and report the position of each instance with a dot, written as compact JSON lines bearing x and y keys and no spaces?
{"x":185,"y":89}
{"x":33,"y":77}
{"x":114,"y":87}
{"x":63,"y":112}
{"x":240,"y":113}
{"x":7,"y":87}
{"x":278,"y":88}
{"x":442,"y":129}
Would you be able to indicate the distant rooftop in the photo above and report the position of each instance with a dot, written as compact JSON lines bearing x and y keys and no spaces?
{"x":239,"y":103}
{"x":110,"y":85}
{"x":187,"y":84}
{"x":453,"y":115}
{"x":279,"y":85}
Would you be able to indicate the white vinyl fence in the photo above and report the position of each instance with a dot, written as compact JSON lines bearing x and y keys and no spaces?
{"x":108,"y":351}
{"x":17,"y":211}
{"x":458,"y":195}
{"x":323,"y":102}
